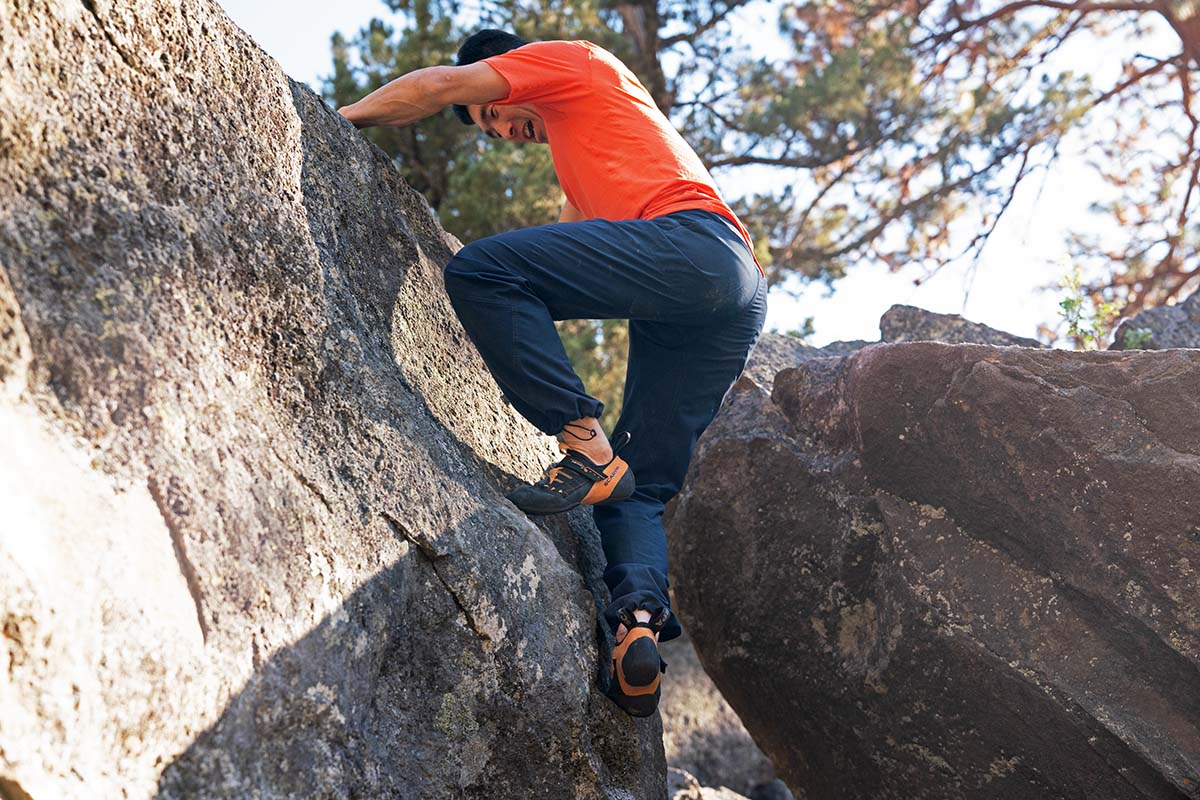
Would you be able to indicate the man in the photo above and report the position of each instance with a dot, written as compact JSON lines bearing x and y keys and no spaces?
{"x":643,"y":236}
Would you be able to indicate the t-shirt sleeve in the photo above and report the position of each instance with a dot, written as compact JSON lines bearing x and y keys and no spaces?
{"x":544,"y":72}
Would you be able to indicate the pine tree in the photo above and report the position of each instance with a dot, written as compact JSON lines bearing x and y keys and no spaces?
{"x":886,"y":126}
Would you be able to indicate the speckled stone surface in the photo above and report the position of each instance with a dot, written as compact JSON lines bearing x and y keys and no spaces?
{"x":254,"y":541}
{"x":911,"y":324}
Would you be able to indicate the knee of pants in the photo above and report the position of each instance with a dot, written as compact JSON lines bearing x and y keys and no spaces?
{"x":467,"y":267}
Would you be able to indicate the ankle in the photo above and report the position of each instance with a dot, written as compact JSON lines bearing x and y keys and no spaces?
{"x":587,"y":437}
{"x":641,"y":615}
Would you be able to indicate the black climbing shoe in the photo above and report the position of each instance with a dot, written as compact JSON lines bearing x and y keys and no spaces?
{"x":577,"y":481}
{"x":637,"y":666}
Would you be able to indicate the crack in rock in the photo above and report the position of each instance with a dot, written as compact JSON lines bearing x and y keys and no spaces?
{"x":90,"y":5}
{"x":186,"y":567}
{"x":432,"y":558}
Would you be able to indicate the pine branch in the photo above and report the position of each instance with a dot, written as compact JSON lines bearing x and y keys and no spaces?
{"x":714,"y":20}
{"x":1019,"y":5}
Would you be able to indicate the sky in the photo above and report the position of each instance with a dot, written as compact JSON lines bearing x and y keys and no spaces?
{"x":1024,"y":256}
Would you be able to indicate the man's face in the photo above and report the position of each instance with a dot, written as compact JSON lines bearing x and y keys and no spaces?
{"x":515,"y":123}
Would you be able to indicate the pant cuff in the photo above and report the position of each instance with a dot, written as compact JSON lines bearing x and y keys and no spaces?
{"x":639,"y":586}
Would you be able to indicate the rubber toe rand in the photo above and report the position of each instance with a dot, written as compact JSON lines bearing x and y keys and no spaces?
{"x":576,"y":481}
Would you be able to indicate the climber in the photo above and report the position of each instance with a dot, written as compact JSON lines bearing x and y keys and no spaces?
{"x":644,"y":236}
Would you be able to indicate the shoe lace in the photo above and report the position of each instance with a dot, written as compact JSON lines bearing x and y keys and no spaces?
{"x":591,"y":434}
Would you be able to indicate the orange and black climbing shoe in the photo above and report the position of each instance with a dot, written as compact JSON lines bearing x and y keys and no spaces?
{"x":578,"y":481}
{"x":637,"y":666}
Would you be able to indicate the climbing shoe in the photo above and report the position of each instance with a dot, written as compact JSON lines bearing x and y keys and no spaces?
{"x":577,"y":481}
{"x":637,"y":666}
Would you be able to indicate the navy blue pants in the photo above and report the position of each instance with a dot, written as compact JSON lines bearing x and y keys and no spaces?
{"x":695,"y":302}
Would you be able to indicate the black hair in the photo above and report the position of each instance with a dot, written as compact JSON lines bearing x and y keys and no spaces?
{"x":478,"y":46}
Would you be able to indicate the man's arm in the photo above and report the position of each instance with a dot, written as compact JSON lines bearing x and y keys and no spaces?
{"x":425,"y":92}
{"x":570,"y":213}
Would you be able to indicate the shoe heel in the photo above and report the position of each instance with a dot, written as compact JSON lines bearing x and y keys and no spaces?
{"x":641,"y":663}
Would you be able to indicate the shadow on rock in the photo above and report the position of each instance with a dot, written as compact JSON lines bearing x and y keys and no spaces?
{"x":397,"y":694}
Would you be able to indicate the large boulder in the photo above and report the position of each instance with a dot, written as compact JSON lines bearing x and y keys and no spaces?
{"x":902,"y":323}
{"x":254,"y":539}
{"x":948,"y":571}
{"x":1161,"y":328}
{"x":775,"y":352}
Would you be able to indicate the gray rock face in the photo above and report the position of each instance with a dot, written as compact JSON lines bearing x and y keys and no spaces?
{"x":1161,"y":328}
{"x":910,"y":324}
{"x":933,"y":571}
{"x":254,"y":541}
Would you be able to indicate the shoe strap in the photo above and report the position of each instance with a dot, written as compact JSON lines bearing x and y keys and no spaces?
{"x":658,"y":620}
{"x":580,"y":465}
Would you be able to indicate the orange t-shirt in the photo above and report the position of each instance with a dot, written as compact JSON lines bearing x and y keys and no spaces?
{"x":616,"y":155}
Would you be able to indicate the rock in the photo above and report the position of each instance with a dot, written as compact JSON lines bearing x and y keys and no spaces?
{"x":255,"y":541}
{"x":701,"y":734}
{"x":682,"y":785}
{"x":968,"y":571}
{"x":775,"y":351}
{"x":775,"y":790}
{"x":1161,"y":328}
{"x":910,"y":324}
{"x":899,"y":323}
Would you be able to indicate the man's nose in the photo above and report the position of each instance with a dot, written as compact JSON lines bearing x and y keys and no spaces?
{"x":512,"y":132}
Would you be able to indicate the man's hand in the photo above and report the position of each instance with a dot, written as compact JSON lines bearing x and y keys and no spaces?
{"x":424,"y":93}
{"x":346,"y":112}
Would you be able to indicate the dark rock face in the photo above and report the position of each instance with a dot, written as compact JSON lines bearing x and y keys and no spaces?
{"x":1161,"y":328}
{"x":910,"y":324}
{"x":254,"y":541}
{"x":702,"y":736}
{"x":932,"y":571}
{"x":775,"y":352}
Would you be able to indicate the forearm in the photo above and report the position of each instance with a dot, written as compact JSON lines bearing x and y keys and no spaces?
{"x":405,"y":100}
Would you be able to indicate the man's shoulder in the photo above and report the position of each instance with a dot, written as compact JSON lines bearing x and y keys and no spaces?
{"x":557,"y":45}
{"x":553,"y":53}
{"x":568,"y":47}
